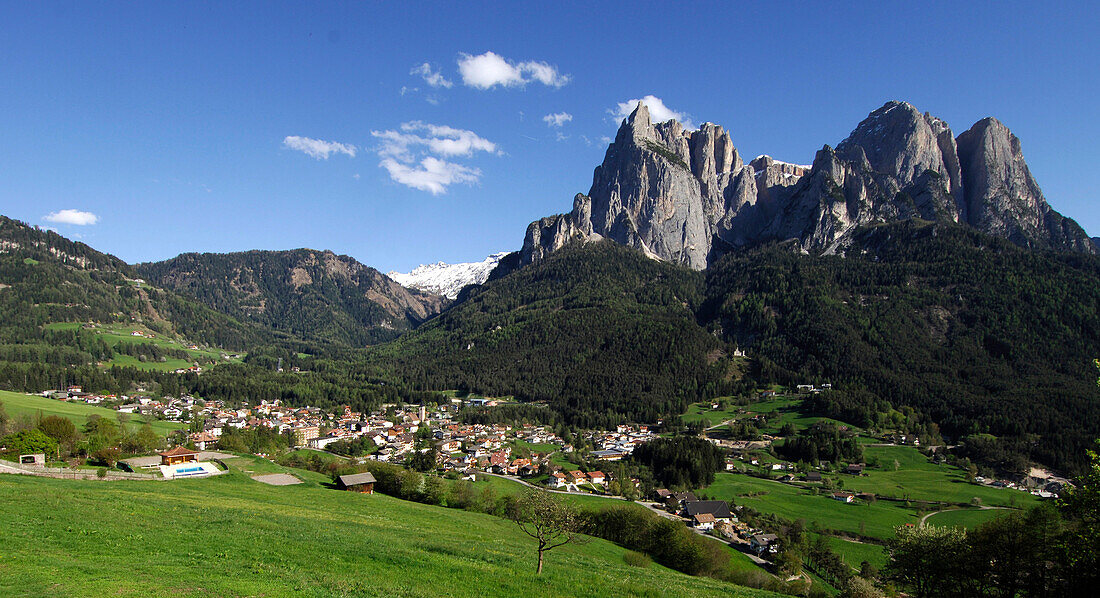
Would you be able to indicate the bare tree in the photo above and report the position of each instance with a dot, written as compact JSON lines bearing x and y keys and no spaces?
{"x":548,"y":520}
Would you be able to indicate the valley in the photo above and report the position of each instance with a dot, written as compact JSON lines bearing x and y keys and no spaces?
{"x":771,"y":388}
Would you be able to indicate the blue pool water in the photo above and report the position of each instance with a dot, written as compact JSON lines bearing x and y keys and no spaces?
{"x":190,"y":470}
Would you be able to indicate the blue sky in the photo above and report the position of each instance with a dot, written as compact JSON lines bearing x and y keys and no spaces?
{"x":203,"y":127}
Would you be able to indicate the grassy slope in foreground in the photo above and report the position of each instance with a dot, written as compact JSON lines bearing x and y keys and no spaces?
{"x":18,"y":404}
{"x":229,"y":536}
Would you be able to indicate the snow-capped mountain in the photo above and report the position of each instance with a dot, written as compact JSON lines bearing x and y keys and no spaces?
{"x":448,"y":279}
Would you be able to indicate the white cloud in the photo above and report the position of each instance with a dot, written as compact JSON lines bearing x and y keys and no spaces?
{"x":557,"y":119}
{"x":433,"y":78}
{"x":71,"y":217}
{"x":409,"y":155}
{"x":433,"y":175}
{"x":439,"y":139}
{"x":658,"y":112}
{"x":488,"y":70}
{"x":318,"y":148}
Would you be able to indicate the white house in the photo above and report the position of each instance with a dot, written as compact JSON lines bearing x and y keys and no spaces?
{"x":704,"y":521}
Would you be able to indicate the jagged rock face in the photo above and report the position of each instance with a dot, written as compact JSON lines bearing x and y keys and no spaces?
{"x":663,"y":190}
{"x":1003,"y":199}
{"x":899,"y":141}
{"x":645,"y":195}
{"x":687,"y":198}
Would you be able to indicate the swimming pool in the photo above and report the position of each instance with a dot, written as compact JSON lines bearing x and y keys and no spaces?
{"x":188,"y":470}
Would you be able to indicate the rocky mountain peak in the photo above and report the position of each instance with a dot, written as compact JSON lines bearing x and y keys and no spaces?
{"x":1002,"y":198}
{"x":637,"y":125}
{"x":686,"y":197}
{"x":899,"y":141}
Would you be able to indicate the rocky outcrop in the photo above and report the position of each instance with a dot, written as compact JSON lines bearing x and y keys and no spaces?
{"x":686,"y":197}
{"x":1003,"y":199}
{"x":899,"y":141}
{"x":663,"y":190}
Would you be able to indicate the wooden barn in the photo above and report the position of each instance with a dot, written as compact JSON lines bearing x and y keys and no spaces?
{"x":359,"y":482}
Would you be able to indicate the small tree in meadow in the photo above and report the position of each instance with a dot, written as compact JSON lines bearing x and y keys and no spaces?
{"x":551,"y":522}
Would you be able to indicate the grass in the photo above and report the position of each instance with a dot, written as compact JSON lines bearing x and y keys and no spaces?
{"x":788,"y":409}
{"x":968,"y":518}
{"x":875,"y":520}
{"x":113,"y":334}
{"x":854,"y":553}
{"x":168,"y":365}
{"x":18,"y":405}
{"x":535,"y":448}
{"x":919,"y":479}
{"x":232,"y":536}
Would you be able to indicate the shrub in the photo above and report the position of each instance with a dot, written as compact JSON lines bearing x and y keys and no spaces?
{"x":637,"y":559}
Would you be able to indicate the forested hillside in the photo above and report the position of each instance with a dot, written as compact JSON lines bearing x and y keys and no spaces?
{"x":993,"y":342}
{"x":315,"y":295}
{"x":600,"y":332}
{"x":979,"y":334}
{"x":48,"y":279}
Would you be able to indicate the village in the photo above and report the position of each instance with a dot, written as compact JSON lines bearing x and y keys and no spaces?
{"x":753,"y":483}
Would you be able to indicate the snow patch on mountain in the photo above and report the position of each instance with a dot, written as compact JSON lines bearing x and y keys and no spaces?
{"x":448,"y":279}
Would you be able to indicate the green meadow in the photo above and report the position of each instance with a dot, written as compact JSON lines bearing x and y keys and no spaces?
{"x":918,"y":479}
{"x":232,"y":536}
{"x":854,"y":553}
{"x":787,"y":409}
{"x":876,"y":519}
{"x":113,"y":334}
{"x":20,"y":405}
{"x":968,"y":518}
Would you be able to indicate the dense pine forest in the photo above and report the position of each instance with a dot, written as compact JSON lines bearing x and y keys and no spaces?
{"x":982,"y":336}
{"x":601,"y":333}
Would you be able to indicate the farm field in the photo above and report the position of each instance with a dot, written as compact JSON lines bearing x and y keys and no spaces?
{"x":18,"y":404}
{"x":876,"y":520}
{"x":232,"y":536}
{"x":916,"y":478}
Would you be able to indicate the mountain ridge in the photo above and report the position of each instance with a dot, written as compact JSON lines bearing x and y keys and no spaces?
{"x":446,"y":279}
{"x":306,"y":292}
{"x":687,"y":198}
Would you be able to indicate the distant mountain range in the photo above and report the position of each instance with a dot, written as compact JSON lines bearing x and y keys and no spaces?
{"x":312,"y":294}
{"x":687,"y":198}
{"x":448,"y":279}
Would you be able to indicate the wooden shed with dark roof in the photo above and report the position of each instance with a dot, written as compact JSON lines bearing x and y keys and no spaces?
{"x":358,"y":482}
